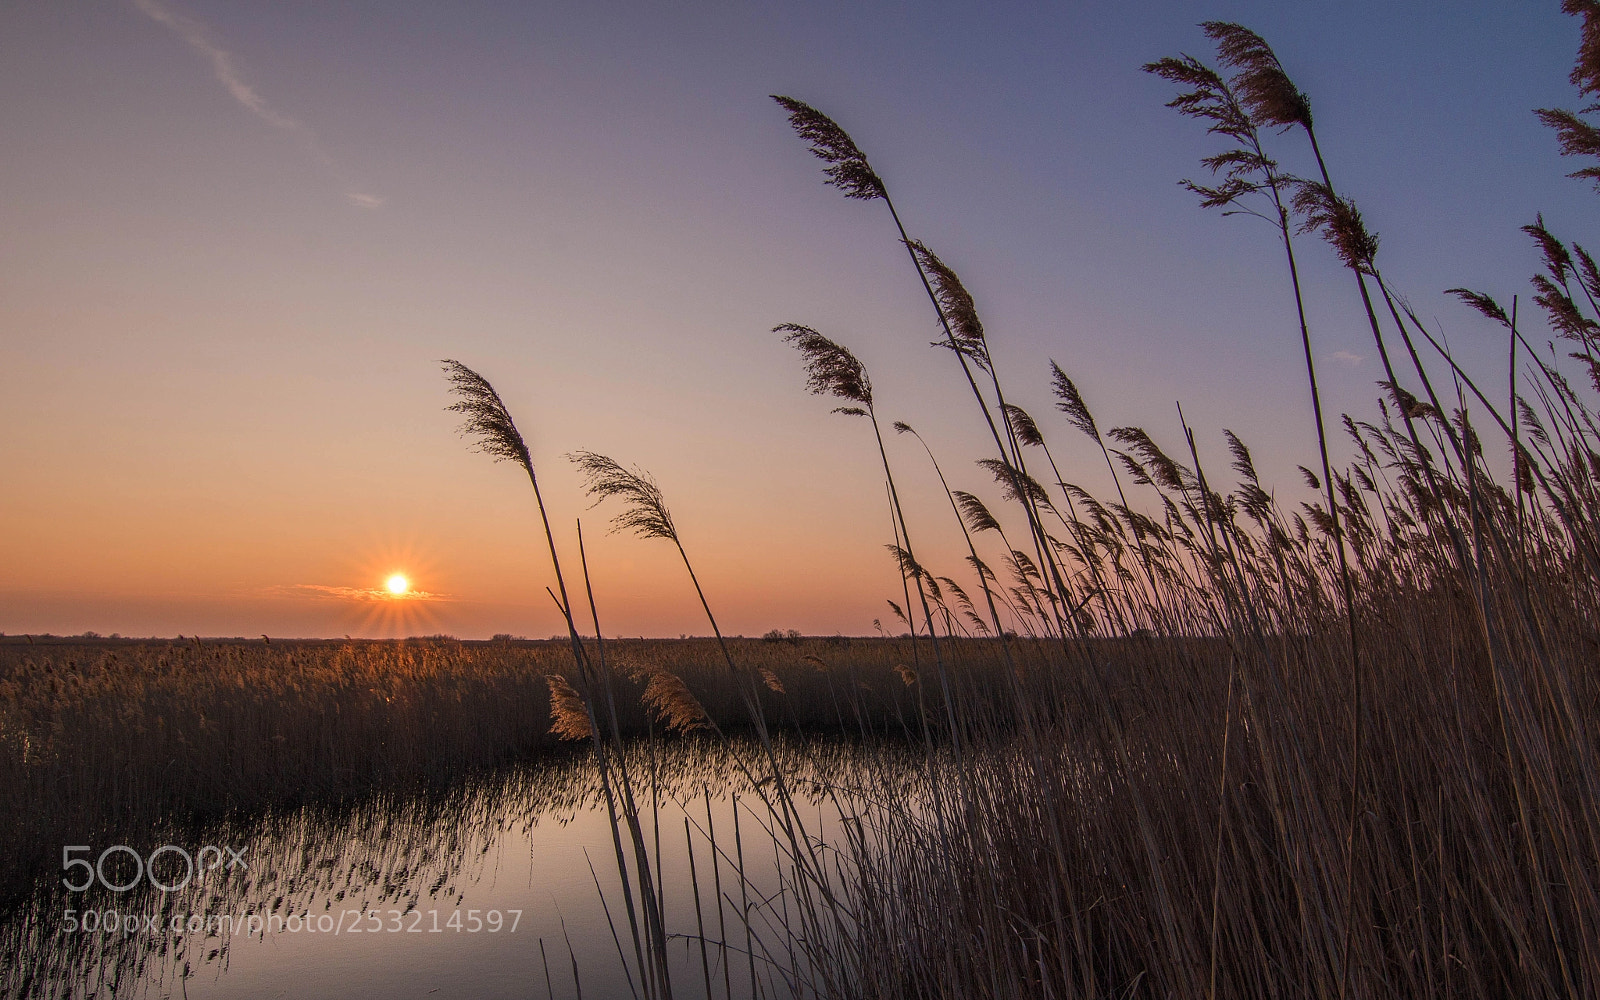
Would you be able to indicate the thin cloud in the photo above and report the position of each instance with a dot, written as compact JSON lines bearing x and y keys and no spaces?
{"x":221,"y":64}
{"x":1347,"y":357}
{"x":227,"y":74}
{"x":361,"y":593}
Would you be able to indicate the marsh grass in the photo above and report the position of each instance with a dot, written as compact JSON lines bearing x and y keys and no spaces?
{"x":1355,"y":756}
{"x":132,"y":738}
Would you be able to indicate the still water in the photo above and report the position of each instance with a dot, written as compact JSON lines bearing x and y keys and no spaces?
{"x":504,"y":886}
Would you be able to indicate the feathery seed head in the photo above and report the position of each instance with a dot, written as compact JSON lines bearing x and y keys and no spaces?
{"x":1208,"y":97}
{"x":1244,"y":169}
{"x":1162,"y":469}
{"x":1259,"y":79}
{"x":1556,"y":258}
{"x":955,"y":304}
{"x":1587,"y":272}
{"x":1023,"y":426}
{"x":1409,"y":405}
{"x":569,"y":718}
{"x":1242,"y":463}
{"x":487,"y":419}
{"x":1339,"y":222}
{"x":1575,"y":136}
{"x":848,"y":168}
{"x":831,"y":370}
{"x":673,"y":703}
{"x":1071,"y":403}
{"x":644,"y":508}
{"x":975,"y":513}
{"x":1586,"y":72}
{"x":1565,"y":316}
{"x":1014,"y":483}
{"x":909,"y":567}
{"x":1483,"y":303}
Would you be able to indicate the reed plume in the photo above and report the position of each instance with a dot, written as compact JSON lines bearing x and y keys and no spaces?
{"x":1023,"y":426}
{"x":1259,"y":78}
{"x":1484,"y":304}
{"x":644,"y":509}
{"x":569,"y":715}
{"x":644,"y":512}
{"x":674,"y":704}
{"x":831,"y":370}
{"x":1339,"y":222}
{"x":977,"y":515}
{"x":956,"y":305}
{"x":1243,"y":169}
{"x":488,"y":422}
{"x":848,"y":169}
{"x":1015,"y":485}
{"x":1575,"y":135}
{"x":1557,"y":259}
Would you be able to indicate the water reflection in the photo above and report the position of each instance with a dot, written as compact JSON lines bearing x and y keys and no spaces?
{"x":503,"y":885}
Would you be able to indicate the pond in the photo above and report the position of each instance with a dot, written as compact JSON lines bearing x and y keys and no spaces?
{"x":504,"y":885}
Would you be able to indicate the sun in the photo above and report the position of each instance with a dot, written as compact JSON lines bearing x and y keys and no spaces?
{"x":397,"y":584}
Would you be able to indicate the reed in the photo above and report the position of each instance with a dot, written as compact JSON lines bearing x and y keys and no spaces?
{"x":1354,"y":755}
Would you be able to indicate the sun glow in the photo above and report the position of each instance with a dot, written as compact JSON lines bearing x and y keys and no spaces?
{"x":396,"y":597}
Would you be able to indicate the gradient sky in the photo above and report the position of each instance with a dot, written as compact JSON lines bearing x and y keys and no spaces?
{"x":237,"y":237}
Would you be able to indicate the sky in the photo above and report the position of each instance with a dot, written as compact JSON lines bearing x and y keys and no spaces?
{"x":238,"y":238}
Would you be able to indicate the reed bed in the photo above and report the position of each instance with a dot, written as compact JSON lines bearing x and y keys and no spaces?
{"x":125,"y":739}
{"x":1353,"y":755}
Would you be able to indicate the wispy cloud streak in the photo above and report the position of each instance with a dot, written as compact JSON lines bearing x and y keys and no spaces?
{"x":227,"y":73}
{"x":358,"y":593}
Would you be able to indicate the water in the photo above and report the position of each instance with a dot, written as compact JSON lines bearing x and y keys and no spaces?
{"x":504,"y":886}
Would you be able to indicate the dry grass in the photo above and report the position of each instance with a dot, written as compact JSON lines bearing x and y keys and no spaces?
{"x":126,"y":737}
{"x":1354,"y":755}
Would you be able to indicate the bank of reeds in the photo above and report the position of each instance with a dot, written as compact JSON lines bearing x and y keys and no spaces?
{"x":1355,"y":754}
{"x":124,"y":739}
{"x":1379,"y":776}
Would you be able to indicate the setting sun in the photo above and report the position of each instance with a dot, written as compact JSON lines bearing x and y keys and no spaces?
{"x":397,"y":584}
